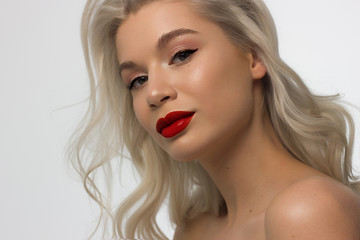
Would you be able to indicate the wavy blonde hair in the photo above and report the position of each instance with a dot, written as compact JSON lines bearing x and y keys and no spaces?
{"x":315,"y":129}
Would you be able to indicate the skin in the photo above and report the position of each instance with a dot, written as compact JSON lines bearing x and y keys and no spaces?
{"x":269,"y":194}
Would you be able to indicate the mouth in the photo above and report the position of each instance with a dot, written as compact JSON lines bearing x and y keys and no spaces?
{"x":174,"y":123}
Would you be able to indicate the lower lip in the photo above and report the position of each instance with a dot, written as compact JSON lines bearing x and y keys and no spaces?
{"x":176,"y":127}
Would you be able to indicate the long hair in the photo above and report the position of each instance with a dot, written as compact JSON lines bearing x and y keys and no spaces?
{"x":317,"y":130}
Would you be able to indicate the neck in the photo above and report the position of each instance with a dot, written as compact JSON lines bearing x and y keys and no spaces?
{"x":249,"y":170}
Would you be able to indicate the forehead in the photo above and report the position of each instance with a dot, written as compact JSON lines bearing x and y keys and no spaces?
{"x":155,"y":19}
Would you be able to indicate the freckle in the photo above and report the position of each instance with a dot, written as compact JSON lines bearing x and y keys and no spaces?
{"x":227,"y":168}
{"x":250,"y":211}
{"x":293,"y":236}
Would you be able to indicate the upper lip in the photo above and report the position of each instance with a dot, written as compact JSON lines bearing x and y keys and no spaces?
{"x":170,"y":118}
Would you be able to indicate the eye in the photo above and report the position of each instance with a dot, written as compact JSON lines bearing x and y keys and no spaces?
{"x":138,"y":82}
{"x":182,"y":56}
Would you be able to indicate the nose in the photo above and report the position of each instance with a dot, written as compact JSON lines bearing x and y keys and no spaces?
{"x":160,"y":89}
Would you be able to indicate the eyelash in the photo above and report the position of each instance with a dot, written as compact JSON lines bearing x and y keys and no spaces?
{"x":133,"y":82}
{"x":188,"y":53}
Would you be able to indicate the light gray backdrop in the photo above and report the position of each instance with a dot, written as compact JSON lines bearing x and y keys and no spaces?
{"x":42,"y":70}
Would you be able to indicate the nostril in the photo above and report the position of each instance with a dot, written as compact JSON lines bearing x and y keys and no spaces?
{"x":164,"y":99}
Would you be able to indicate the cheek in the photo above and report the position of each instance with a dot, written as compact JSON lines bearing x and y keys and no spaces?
{"x":141,"y":114}
{"x":222,"y":80}
{"x":224,"y":91}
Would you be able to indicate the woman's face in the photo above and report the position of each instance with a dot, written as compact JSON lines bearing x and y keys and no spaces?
{"x":192,"y":88}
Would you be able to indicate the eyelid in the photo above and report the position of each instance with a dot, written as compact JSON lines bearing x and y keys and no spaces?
{"x":129,"y":73}
{"x":131,"y":77}
{"x":184,"y":50}
{"x":133,"y":82}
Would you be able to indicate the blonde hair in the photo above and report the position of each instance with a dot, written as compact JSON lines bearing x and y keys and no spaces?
{"x":315,"y":129}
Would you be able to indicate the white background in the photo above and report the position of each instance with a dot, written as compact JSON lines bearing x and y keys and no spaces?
{"x":42,"y":70}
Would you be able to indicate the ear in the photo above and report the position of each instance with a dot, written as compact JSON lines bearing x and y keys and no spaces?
{"x":257,"y":67}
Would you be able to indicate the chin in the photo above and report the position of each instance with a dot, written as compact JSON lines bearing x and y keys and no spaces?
{"x":185,"y":151}
{"x":182,"y":155}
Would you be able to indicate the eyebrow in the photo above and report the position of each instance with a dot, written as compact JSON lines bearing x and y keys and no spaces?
{"x":161,"y":44}
{"x":167,"y":37}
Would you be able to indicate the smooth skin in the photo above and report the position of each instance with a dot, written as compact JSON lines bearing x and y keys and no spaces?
{"x":175,"y":60}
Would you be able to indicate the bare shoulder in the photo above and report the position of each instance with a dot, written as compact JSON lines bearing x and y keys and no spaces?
{"x":314,"y":208}
{"x":193,"y":229}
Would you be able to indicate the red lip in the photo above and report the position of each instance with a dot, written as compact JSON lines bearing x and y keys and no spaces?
{"x":173,"y":123}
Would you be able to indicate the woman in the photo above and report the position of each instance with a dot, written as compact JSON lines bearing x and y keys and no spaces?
{"x":214,"y":122}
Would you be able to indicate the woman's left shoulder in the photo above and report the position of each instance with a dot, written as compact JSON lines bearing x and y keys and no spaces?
{"x":314,"y":208}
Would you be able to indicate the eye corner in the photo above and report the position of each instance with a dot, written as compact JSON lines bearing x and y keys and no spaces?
{"x":137,"y":82}
{"x":183,"y":56}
